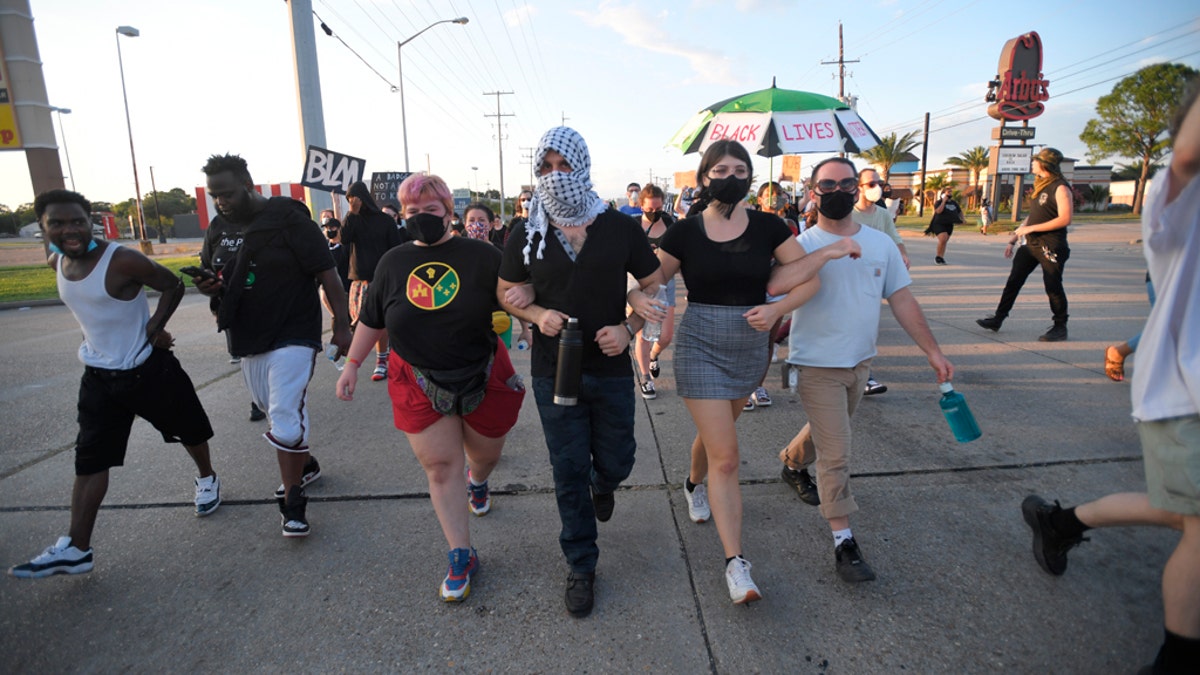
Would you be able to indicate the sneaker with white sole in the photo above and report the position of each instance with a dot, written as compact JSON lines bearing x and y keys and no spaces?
{"x":761,"y":398}
{"x":742,"y":589}
{"x":873,"y":387}
{"x":208,"y":495}
{"x":292,"y":513}
{"x":464,"y":563}
{"x":648,"y":391}
{"x":479,"y":498}
{"x":697,"y":501}
{"x":61,"y":558}
{"x":312,"y":471}
{"x":654,"y":370}
{"x":380,"y":373}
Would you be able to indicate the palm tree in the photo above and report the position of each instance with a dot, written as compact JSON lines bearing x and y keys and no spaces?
{"x":1097,"y":195}
{"x":934,"y":185}
{"x":890,"y":151}
{"x":974,"y":160}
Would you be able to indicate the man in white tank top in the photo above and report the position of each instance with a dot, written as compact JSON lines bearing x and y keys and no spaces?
{"x":128,"y":371}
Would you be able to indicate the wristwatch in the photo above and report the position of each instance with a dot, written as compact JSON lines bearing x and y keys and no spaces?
{"x":629,"y":329}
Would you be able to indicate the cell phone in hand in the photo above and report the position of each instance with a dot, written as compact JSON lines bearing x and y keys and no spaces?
{"x":202,"y":272}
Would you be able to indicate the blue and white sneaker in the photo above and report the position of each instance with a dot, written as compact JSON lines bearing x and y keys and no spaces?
{"x":479,"y":498}
{"x":61,"y":558}
{"x":464,"y":563}
{"x":208,"y":495}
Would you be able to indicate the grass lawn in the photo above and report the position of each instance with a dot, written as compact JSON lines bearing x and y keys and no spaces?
{"x":36,"y":282}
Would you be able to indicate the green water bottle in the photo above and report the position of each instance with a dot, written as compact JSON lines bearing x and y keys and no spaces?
{"x":958,"y":414}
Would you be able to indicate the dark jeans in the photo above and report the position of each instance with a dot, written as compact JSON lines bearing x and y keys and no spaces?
{"x":1028,"y":258}
{"x":590,"y":444}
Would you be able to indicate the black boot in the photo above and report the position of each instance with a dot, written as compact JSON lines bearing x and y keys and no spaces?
{"x":991,"y":323}
{"x":1057,"y":333}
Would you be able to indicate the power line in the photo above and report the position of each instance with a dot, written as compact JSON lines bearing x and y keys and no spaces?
{"x":330,"y":33}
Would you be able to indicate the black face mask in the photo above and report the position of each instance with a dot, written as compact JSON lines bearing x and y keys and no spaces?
{"x":729,"y":190}
{"x":837,"y":204}
{"x":427,"y":228}
{"x":652,"y":216}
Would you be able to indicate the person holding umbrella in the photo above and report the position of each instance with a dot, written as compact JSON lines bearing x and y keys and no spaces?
{"x":725,"y":255}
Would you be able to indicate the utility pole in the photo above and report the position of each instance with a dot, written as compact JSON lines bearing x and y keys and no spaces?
{"x":308,"y":90}
{"x":527,"y":158}
{"x":841,"y":64}
{"x":564,"y":118}
{"x":924,"y":156}
{"x":500,"y":141}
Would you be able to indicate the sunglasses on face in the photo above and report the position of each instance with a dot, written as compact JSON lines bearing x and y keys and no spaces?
{"x":829,"y":185}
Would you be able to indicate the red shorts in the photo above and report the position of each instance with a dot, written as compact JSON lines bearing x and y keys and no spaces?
{"x":413,"y":412}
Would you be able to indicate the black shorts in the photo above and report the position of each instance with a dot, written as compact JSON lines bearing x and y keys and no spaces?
{"x":158,"y":391}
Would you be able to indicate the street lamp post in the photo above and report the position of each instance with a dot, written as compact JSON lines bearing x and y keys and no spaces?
{"x":476,"y":170}
{"x":400,"y":65}
{"x":146,"y":246}
{"x":63,"y":130}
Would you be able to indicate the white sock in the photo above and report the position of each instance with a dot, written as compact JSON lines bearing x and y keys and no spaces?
{"x":381,"y":358}
{"x":841,"y":535}
{"x":472,"y":480}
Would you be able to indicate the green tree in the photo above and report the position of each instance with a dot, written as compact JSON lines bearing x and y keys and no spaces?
{"x":1097,"y":195}
{"x":974,"y":160}
{"x":889,"y":152}
{"x":1132,"y":120}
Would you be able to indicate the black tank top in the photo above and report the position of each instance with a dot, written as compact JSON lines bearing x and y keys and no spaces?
{"x":1044,"y":209}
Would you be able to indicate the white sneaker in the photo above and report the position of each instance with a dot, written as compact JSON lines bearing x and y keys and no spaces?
{"x":208,"y":495}
{"x":741,"y":587}
{"x":697,"y":501}
{"x":61,"y":558}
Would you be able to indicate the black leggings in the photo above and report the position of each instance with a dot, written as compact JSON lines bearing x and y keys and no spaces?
{"x":1025,"y":260}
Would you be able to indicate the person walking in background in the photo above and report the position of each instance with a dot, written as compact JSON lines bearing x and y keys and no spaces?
{"x":946,"y":214}
{"x":654,"y":222}
{"x":368,"y":233}
{"x":985,"y":217}
{"x":833,"y":339}
{"x":128,"y":370}
{"x":477,"y":221}
{"x":725,"y":256}
{"x":1166,"y":407}
{"x":868,"y":212}
{"x":452,"y":389}
{"x":633,"y":197}
{"x":517,"y":224}
{"x":272,"y":257}
{"x":1040,"y":242}
{"x":576,"y":253}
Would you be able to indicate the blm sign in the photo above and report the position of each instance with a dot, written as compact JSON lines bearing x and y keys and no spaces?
{"x":384,"y":185}
{"x":330,"y":171}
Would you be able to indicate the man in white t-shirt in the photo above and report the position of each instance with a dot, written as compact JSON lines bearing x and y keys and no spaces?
{"x":1166,"y":407}
{"x":832,"y":343}
{"x":867,"y":212}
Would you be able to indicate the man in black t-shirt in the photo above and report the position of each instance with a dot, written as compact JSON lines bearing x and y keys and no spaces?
{"x":575,"y":252}
{"x":368,"y":233}
{"x":271,"y":256}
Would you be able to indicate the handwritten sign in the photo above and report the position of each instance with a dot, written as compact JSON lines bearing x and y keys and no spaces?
{"x":814,"y":131}
{"x":749,"y":129}
{"x":331,"y":171}
{"x":385,"y":184}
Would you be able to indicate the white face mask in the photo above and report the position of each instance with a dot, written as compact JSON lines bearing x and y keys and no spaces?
{"x":524,"y":204}
{"x":873,"y":193}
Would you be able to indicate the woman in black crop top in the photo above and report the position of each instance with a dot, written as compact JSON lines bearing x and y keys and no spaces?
{"x":725,"y":256}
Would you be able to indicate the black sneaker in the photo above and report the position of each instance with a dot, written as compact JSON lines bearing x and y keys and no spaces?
{"x":939,"y":260}
{"x":803,"y":483}
{"x":291,"y":511}
{"x":580,"y":596}
{"x":873,"y":387}
{"x":256,"y":413}
{"x":654,"y":370}
{"x":991,"y":323}
{"x":648,"y":391}
{"x":850,"y":565}
{"x":312,"y":471}
{"x":1057,"y":333}
{"x":1049,"y":547}
{"x":603,"y":504}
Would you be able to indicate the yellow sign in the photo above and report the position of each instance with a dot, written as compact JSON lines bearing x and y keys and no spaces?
{"x":10,"y":135}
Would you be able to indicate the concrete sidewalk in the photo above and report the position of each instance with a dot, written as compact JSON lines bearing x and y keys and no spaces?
{"x":958,"y":590}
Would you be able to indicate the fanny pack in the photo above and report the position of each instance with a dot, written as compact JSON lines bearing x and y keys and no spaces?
{"x":455,"y":392}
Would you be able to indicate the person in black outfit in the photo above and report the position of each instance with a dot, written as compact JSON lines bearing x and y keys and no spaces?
{"x":368,"y":233}
{"x":1045,"y":245}
{"x":946,"y":214}
{"x":341,"y":257}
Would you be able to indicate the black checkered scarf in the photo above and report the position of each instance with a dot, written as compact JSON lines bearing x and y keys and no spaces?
{"x":566,"y":198}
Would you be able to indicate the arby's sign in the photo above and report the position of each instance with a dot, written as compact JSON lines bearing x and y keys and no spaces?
{"x":1019,"y":89}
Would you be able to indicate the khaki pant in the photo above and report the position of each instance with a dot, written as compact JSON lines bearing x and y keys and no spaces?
{"x":829,"y":396}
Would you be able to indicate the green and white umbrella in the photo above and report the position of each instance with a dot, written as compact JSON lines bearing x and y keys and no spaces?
{"x":773,"y":122}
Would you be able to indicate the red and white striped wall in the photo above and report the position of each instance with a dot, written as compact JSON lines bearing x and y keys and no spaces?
{"x":207,"y":210}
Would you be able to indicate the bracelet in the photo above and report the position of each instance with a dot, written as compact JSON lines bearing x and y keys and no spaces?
{"x":356,"y":362}
{"x":629,"y":329}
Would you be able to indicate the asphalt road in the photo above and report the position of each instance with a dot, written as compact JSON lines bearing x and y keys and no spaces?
{"x":958,"y":590}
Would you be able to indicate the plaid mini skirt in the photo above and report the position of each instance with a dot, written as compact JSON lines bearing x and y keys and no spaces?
{"x":718,"y":354}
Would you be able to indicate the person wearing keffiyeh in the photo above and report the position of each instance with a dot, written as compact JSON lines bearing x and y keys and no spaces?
{"x":574,"y":254}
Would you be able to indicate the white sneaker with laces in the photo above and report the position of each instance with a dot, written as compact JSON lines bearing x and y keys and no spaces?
{"x":61,"y":558}
{"x":761,"y":398}
{"x":741,"y":587}
{"x":208,"y":495}
{"x":697,"y":501}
